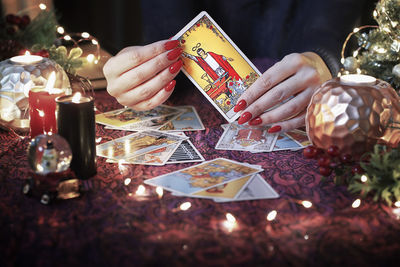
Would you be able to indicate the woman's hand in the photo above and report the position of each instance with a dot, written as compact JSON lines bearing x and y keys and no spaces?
{"x":141,"y":77}
{"x":297,"y":76}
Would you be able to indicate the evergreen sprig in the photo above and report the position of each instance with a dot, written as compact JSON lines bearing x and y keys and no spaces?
{"x":383,"y":175}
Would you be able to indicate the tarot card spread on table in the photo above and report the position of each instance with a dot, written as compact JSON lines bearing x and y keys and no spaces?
{"x":136,"y":144}
{"x":215,"y":64}
{"x":203,"y":176}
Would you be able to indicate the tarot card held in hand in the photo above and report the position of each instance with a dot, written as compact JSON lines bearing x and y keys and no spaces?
{"x":215,"y":64}
{"x":136,"y":144}
{"x":203,"y":176}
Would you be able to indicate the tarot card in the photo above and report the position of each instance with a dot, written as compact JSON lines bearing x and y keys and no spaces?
{"x":284,"y":142}
{"x":203,"y":176}
{"x":246,"y":138}
{"x":215,"y":65}
{"x":186,"y":152}
{"x":136,"y":144}
{"x":155,"y":158}
{"x":188,"y":121}
{"x":127,"y":116}
{"x":152,"y":124}
{"x":300,"y":137}
{"x":257,"y":188}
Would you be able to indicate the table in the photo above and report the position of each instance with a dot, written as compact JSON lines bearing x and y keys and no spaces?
{"x":112,"y":226}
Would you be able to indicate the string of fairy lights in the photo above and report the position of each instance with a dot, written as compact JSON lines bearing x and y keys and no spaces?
{"x":76,"y":39}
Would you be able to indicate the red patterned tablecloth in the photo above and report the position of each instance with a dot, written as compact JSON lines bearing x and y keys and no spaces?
{"x":110,"y":226}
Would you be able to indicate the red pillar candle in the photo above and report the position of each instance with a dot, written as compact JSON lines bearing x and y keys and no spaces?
{"x":42,"y":108}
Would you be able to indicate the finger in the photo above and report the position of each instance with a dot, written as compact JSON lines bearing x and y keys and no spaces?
{"x":279,"y":72}
{"x":144,"y":72}
{"x":150,"y":88}
{"x":290,"y":124}
{"x":278,"y":94}
{"x":134,"y":56}
{"x":157,"y":99}
{"x":294,"y":106}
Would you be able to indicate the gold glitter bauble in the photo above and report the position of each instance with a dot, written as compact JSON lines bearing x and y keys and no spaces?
{"x":353,"y":117}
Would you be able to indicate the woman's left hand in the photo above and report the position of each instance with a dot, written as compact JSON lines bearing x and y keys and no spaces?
{"x":296,"y":76}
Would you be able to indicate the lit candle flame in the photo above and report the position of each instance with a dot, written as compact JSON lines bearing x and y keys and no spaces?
{"x":50,"y":83}
{"x":141,"y":190}
{"x":185,"y":206}
{"x":76,"y":98}
{"x":159,"y":191}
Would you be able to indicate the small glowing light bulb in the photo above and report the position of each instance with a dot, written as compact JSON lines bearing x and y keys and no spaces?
{"x":364,"y":178}
{"x":127,"y":181}
{"x":185,"y":206}
{"x":85,"y":35}
{"x":67,"y":38}
{"x":95,"y":42}
{"x":272,"y":215}
{"x":159,"y":191}
{"x":60,"y":30}
{"x":307,"y":204}
{"x":397,"y":204}
{"x":356,"y":30}
{"x":42,"y":6}
{"x":141,"y":190}
{"x":356,"y":203}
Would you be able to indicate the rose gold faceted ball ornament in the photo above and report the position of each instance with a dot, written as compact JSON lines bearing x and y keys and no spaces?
{"x":354,"y":112}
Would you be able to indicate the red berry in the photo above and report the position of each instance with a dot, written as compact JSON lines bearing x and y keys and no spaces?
{"x":25,"y":20}
{"x":43,"y":53}
{"x":10,"y":18}
{"x":198,"y":24}
{"x":325,"y":171}
{"x":357,"y":169}
{"x":10,"y":31}
{"x":346,"y":158}
{"x":333,"y":151}
{"x":17,"y":20}
{"x":310,"y":152}
{"x":324,"y":161}
{"x":183,"y":41}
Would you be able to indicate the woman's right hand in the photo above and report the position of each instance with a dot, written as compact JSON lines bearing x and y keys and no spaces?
{"x":141,"y":77}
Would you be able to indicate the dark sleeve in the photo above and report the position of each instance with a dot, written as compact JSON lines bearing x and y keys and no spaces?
{"x":322,"y":26}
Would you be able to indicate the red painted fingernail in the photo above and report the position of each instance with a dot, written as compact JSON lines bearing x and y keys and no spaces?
{"x":174,"y":54}
{"x":171,"y":44}
{"x":245,"y":117}
{"x":242,"y":104}
{"x":255,"y":121}
{"x":174,"y":68}
{"x":170,"y":86}
{"x":275,"y":129}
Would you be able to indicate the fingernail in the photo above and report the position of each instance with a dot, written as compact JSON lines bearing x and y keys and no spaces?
{"x":255,"y":121}
{"x":244,"y":118}
{"x":242,"y":104}
{"x":170,"y":86}
{"x":174,"y":68}
{"x":174,"y":54}
{"x":275,"y":129}
{"x":171,"y":44}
